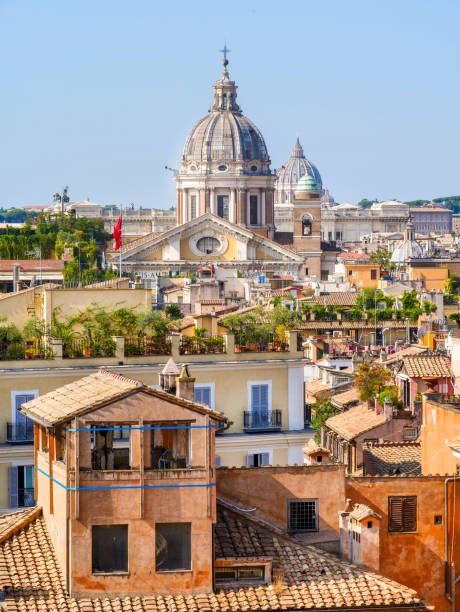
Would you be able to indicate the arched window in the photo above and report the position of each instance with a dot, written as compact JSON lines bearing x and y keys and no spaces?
{"x":306,"y":227}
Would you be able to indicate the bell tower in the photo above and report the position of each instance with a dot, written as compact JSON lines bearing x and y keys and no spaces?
{"x":307,"y":224}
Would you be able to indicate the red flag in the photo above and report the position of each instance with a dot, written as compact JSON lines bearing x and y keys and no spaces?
{"x":117,"y":233}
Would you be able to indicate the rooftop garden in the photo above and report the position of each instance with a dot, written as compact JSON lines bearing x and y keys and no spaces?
{"x":373,"y":304}
{"x":262,"y":329}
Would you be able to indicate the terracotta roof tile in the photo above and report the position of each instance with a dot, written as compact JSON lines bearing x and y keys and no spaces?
{"x":33,"y":581}
{"x":389,"y":458}
{"x":355,"y":421}
{"x":32,"y":265}
{"x":338,"y":298}
{"x":341,"y":400}
{"x":90,"y":392}
{"x":419,"y":366}
{"x":315,"y":387}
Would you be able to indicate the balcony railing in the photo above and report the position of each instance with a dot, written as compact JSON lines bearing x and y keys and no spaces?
{"x":20,"y":433}
{"x":262,"y":347}
{"x":26,"y":498}
{"x":82,"y":347}
{"x":28,"y":349}
{"x":262,"y":421}
{"x":135,"y":347}
{"x":191,"y":345}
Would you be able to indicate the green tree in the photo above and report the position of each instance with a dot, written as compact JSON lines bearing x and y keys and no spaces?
{"x":455,"y":317}
{"x":392,"y":393}
{"x":173,"y":312}
{"x":383,"y":258}
{"x":322,"y":410}
{"x":370,"y":380}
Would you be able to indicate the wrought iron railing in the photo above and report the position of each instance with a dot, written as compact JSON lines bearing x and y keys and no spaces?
{"x":137,"y":346}
{"x":262,"y":421}
{"x":82,"y":347}
{"x":262,"y":347}
{"x":28,"y":349}
{"x":20,"y":432}
{"x":192,"y":345}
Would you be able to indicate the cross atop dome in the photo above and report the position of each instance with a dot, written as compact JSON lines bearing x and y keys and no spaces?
{"x":225,"y":50}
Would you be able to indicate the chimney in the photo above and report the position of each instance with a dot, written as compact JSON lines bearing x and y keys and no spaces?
{"x":185,"y":385}
{"x":16,"y":277}
{"x":388,"y":409}
{"x":168,"y":376}
{"x":383,"y":356}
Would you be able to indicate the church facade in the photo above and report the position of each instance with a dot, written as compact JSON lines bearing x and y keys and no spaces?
{"x":225,"y":203}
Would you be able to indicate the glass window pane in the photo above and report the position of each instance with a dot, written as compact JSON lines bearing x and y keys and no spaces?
{"x":173,"y":544}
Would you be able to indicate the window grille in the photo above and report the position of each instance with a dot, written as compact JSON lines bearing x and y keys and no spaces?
{"x":303,"y":515}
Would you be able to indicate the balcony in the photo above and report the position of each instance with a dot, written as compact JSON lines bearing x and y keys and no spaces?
{"x":20,"y":433}
{"x":256,"y":422}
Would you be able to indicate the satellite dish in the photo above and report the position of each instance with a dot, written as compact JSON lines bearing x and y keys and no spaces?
{"x":421,"y":332}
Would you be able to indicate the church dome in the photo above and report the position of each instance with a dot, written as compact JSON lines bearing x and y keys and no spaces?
{"x":306,"y":183}
{"x":409,"y":248}
{"x":225,"y":140}
{"x":289,"y":175}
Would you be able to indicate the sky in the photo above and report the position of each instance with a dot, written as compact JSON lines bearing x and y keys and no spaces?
{"x":101,"y":94}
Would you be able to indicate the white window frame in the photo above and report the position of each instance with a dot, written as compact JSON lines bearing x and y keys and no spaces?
{"x":212,"y":387}
{"x":253,"y":383}
{"x":14,"y":394}
{"x":258,"y":451}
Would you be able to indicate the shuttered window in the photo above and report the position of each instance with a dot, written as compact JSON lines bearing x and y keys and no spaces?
{"x":259,"y":398}
{"x":202,"y":395}
{"x":257,"y":459}
{"x":402,"y":514}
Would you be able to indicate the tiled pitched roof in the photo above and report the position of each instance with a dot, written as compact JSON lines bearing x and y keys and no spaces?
{"x":355,"y":421}
{"x":79,"y":396}
{"x":90,"y":392}
{"x":33,"y":581}
{"x":389,"y":458}
{"x":406,"y":352}
{"x":32,"y":265}
{"x":361,"y":511}
{"x":316,"y":386}
{"x":419,"y":366}
{"x":347,"y":397}
{"x":338,"y":298}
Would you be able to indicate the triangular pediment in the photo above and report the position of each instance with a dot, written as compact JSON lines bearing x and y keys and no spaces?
{"x":145,"y":247}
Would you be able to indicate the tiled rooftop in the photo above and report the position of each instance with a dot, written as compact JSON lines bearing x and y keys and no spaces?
{"x":389,"y":458}
{"x":311,"y":579}
{"x":338,"y":298}
{"x":419,"y":366}
{"x":313,"y":387}
{"x":88,"y":393}
{"x":341,"y":400}
{"x":355,"y":421}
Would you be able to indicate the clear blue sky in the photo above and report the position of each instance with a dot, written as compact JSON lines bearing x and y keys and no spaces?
{"x":100,"y":94}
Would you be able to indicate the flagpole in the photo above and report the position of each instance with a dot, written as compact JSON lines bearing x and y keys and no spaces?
{"x":121,"y":243}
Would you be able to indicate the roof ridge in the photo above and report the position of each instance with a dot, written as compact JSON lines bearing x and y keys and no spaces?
{"x":106,"y":372}
{"x":26,"y":517}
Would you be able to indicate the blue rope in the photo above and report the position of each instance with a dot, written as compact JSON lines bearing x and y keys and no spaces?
{"x":181,"y":486}
{"x":134,"y":427}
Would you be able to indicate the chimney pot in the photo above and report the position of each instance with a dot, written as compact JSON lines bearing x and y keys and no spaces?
{"x":185,"y":384}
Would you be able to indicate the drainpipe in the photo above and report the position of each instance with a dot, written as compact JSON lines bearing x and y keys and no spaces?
{"x":453,"y":578}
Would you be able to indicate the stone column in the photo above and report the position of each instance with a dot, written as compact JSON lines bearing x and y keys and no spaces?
{"x":248,"y":209}
{"x":232,"y":204}
{"x":184,"y":205}
{"x":207,"y":207}
{"x":269,"y":207}
{"x":201,"y":202}
{"x":241,"y":208}
{"x":179,"y":208}
{"x":213,"y":201}
{"x":263,"y":221}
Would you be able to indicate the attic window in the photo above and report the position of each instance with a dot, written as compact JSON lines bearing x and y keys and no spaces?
{"x":169,"y":446}
{"x":110,"y":447}
{"x":247,"y":574}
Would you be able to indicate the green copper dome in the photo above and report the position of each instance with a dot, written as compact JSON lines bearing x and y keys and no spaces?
{"x":307,"y":183}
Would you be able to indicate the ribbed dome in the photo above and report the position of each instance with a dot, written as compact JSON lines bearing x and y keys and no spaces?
{"x":225,"y":135}
{"x":296,"y":167}
{"x":409,"y":248}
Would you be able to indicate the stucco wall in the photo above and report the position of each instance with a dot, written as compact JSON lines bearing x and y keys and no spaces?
{"x":270,"y":488}
{"x":441,"y":424}
{"x":415,"y":559}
